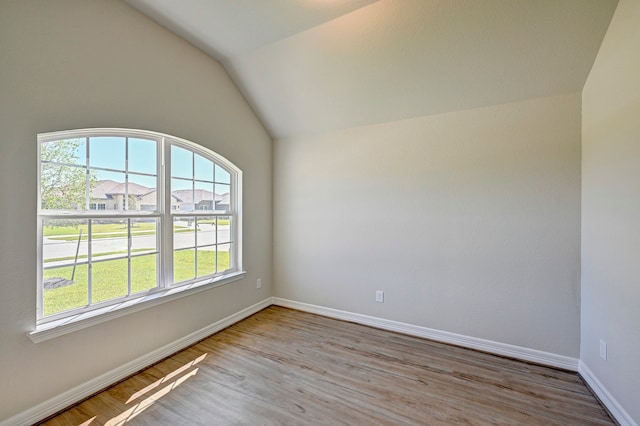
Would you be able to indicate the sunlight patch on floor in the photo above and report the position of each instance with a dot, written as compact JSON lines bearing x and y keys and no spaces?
{"x":149,"y":401}
{"x":165,"y":378}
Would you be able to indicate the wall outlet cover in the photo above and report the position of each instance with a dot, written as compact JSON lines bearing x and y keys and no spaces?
{"x":603,"y":350}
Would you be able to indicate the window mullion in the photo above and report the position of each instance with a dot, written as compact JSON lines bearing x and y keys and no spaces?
{"x":129,"y":223}
{"x":89,"y":263}
{"x":166,"y":243}
{"x":87,"y":176}
{"x":129,"y":242}
{"x":216,"y":242}
{"x":195,"y":246}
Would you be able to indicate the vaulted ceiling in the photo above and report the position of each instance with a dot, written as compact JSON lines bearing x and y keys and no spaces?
{"x":313,"y":66}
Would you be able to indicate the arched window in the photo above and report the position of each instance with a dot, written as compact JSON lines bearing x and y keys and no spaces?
{"x":126,"y":216}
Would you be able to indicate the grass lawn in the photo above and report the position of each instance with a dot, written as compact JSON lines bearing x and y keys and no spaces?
{"x":50,"y":231}
{"x":84,"y":256}
{"x":109,"y":280}
{"x":97,"y":236}
{"x":102,"y":230}
{"x":221,"y":222}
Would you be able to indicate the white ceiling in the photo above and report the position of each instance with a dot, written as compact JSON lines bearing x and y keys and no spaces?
{"x":228,"y":28}
{"x":310,"y":66}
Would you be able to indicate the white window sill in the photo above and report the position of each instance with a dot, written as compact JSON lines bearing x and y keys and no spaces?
{"x":73,"y":323}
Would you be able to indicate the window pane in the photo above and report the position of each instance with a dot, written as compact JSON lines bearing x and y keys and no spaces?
{"x":181,"y":162}
{"x":223,"y":197}
{"x":108,"y":189}
{"x":183,"y":233}
{"x":184,"y":265}
{"x":222,"y":176}
{"x":203,"y":196}
{"x":184,"y":236}
{"x":224,"y":257}
{"x":144,"y":238}
{"x":182,"y":191}
{"x":143,"y":156}
{"x":109,"y":280}
{"x":206,"y":261}
{"x":142,"y":192}
{"x":62,"y":240}
{"x":143,"y":273}
{"x":63,"y":187}
{"x":203,"y":168}
{"x":224,"y":229}
{"x":109,"y":238}
{"x":64,"y":256}
{"x":67,"y":151}
{"x":65,"y":288}
{"x":107,"y":152}
{"x":206,"y":230}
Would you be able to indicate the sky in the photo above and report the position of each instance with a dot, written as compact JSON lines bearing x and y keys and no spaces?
{"x":110,"y":152}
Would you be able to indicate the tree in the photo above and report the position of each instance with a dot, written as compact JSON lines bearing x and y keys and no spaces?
{"x":63,"y":176}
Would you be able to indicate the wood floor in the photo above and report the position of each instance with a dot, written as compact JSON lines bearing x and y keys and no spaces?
{"x":282,"y":366}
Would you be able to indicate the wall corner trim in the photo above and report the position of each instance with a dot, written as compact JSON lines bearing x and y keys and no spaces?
{"x":78,"y":393}
{"x":614,"y":407}
{"x":497,"y":348}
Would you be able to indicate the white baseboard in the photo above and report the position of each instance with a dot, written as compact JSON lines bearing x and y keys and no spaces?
{"x":605,"y":396}
{"x":518,"y":352}
{"x":504,"y":349}
{"x":72,"y":396}
{"x":87,"y":389}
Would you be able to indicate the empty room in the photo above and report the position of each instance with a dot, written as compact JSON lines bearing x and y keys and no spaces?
{"x":320,"y":212}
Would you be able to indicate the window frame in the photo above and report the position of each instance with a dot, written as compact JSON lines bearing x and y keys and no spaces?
{"x":165,"y":289}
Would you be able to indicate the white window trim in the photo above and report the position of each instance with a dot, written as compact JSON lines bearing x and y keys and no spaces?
{"x":79,"y":321}
{"x":62,"y":323}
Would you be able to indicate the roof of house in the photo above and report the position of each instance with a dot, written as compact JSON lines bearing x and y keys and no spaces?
{"x":195,"y":196}
{"x":225,"y":198}
{"x":106,"y":189}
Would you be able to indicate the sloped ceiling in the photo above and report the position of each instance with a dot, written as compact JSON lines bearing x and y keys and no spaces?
{"x":313,"y":66}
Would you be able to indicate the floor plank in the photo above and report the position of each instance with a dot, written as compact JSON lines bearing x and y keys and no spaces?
{"x":282,"y":366}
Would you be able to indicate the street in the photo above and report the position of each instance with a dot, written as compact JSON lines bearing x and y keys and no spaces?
{"x":56,"y":249}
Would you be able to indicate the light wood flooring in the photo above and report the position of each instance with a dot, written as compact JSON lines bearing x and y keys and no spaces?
{"x":282,"y":366}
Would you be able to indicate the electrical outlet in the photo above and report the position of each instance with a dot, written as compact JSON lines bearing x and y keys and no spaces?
{"x":259,"y":283}
{"x":603,"y":349}
{"x":380,"y":296}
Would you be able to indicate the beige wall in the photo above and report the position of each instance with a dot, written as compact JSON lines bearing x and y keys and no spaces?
{"x":611,"y":210}
{"x":469,"y":221}
{"x":75,"y":64}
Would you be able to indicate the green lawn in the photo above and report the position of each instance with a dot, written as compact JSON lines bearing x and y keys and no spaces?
{"x":84,"y":256}
{"x":221,"y":222}
{"x":102,"y":230}
{"x":106,"y":235}
{"x":96,"y":228}
{"x":110,"y":278}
